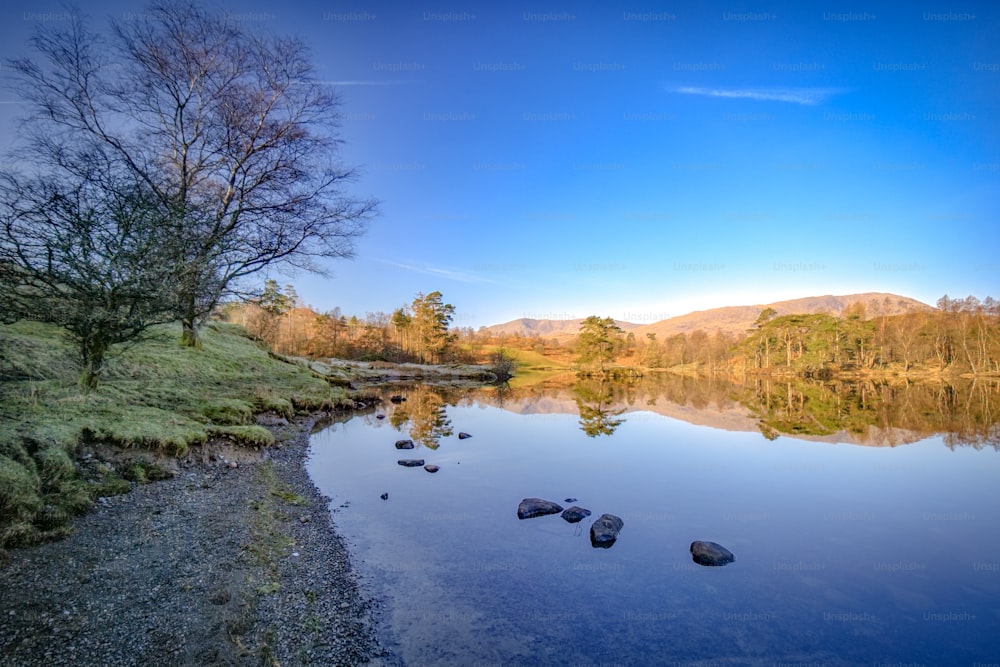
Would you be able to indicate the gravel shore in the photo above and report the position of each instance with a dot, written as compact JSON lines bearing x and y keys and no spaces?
{"x":219,"y":565}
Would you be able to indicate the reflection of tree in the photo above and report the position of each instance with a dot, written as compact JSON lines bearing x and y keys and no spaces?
{"x":594,"y":400}
{"x":967,"y":412}
{"x":425,"y":411}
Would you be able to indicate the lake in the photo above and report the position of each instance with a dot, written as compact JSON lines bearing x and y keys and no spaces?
{"x":864,"y":519}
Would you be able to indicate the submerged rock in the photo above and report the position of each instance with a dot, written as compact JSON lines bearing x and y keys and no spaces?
{"x":575,"y":514}
{"x":396,"y":399}
{"x":710,"y":553}
{"x":463,"y":435}
{"x":571,"y":500}
{"x":532,"y":507}
{"x":604,"y":531}
{"x":430,"y":467}
{"x":411,"y":463}
{"x":404,"y":444}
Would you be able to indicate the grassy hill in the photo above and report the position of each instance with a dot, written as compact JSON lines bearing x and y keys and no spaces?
{"x":737,"y":319}
{"x":155,"y":396}
{"x":559,"y":329}
{"x":730,"y":319}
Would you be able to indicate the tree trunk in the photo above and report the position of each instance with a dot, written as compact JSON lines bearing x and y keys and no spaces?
{"x":189,"y":322}
{"x":92,"y":354}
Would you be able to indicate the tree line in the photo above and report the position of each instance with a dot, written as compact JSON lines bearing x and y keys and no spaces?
{"x":960,"y":335}
{"x":161,"y":164}
{"x":416,"y":332}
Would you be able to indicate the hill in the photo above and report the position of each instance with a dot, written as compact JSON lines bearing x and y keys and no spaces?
{"x":737,"y":319}
{"x":729,"y":319}
{"x":527,"y":326}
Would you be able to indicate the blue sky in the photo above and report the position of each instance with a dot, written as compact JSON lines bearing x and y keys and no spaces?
{"x":646,"y":160}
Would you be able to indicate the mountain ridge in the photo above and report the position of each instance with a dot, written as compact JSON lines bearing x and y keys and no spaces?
{"x":728,"y":319}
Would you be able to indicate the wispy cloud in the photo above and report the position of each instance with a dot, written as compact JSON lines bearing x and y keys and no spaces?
{"x":805,"y":96}
{"x":450,"y":274}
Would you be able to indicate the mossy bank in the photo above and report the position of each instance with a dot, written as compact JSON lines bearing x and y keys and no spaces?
{"x":61,"y":448}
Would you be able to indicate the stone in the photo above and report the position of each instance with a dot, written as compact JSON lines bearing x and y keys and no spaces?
{"x":404,"y":444}
{"x":604,"y":531}
{"x":463,"y":435}
{"x":430,"y":467}
{"x":384,"y":496}
{"x":575,"y":514}
{"x":571,"y":500}
{"x":396,"y":399}
{"x":379,"y":416}
{"x":532,"y":507}
{"x":411,"y":463}
{"x":711,"y":554}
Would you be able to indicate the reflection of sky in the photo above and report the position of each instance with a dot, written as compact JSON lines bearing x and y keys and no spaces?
{"x":844,"y":554}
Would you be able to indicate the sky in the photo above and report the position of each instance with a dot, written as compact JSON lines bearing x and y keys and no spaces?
{"x":644,"y":160}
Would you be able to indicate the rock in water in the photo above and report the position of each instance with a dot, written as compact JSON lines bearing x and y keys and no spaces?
{"x":396,"y":399}
{"x":404,"y":444}
{"x":604,"y":531}
{"x":710,"y":553}
{"x":575,"y":514}
{"x":411,"y":463}
{"x":379,"y":416}
{"x":571,"y":500}
{"x":463,"y":436}
{"x":532,"y":507}
{"x":430,"y":467}
{"x":385,"y":496}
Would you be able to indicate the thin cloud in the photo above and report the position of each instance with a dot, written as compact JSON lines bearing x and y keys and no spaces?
{"x":804,"y":96}
{"x":450,"y":274}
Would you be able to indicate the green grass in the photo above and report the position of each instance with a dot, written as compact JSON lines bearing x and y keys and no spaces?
{"x":531,"y":366}
{"x":155,"y":395}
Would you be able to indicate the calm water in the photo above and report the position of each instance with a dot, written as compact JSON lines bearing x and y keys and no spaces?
{"x":845,"y":553}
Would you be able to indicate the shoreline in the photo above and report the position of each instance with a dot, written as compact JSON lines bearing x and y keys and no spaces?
{"x":217,"y":565}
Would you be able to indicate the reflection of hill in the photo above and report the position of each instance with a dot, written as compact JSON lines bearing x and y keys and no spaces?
{"x":863,"y":413}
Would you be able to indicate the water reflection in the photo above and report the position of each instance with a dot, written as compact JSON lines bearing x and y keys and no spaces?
{"x":594,"y":399}
{"x":867,"y":412}
{"x":843,"y":555}
{"x":424,"y":413}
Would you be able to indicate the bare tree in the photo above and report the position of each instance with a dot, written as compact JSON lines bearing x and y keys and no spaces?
{"x":82,"y":250}
{"x":229,"y":128}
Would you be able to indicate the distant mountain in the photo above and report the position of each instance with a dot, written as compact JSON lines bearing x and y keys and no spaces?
{"x":527,"y":326}
{"x":737,"y":319}
{"x":730,"y":319}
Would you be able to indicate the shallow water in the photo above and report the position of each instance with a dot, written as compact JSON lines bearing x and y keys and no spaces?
{"x":845,"y":554}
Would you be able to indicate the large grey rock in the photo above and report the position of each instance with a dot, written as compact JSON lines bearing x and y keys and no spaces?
{"x":604,"y":531}
{"x":575,"y":514}
{"x":404,"y":444}
{"x":411,"y":463}
{"x":710,"y":553}
{"x":430,"y":467}
{"x":532,"y":507}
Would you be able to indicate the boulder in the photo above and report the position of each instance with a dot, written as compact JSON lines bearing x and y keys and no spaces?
{"x":404,"y":444}
{"x":411,"y":463}
{"x":710,"y":553}
{"x":396,"y":399}
{"x":430,"y":467}
{"x":463,"y":435}
{"x":604,"y":531}
{"x":532,"y":507}
{"x":575,"y":514}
